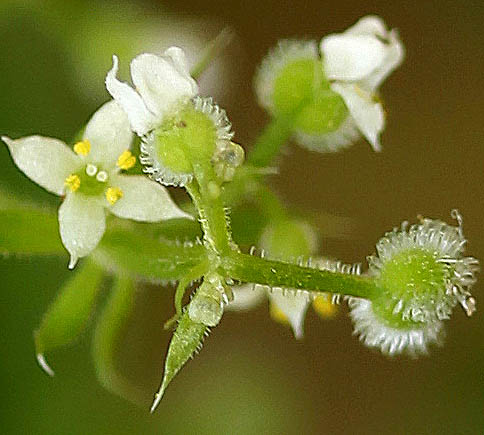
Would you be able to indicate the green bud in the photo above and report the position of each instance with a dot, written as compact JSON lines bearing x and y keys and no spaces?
{"x":288,"y":240}
{"x":422,"y":275}
{"x":207,"y":305}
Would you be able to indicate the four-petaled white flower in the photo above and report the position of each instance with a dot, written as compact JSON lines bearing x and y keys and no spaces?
{"x":91,"y":181}
{"x":357,"y":62}
{"x":162,"y":84}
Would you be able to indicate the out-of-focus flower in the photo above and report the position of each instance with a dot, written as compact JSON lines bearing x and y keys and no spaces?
{"x":331,"y":96}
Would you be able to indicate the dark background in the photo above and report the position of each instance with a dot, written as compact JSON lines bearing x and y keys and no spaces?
{"x":252,"y":377}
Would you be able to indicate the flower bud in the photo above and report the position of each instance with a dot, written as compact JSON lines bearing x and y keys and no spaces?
{"x":207,"y":306}
{"x":422,"y":275}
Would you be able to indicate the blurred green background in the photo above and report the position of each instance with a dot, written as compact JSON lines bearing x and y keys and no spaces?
{"x":252,"y":377}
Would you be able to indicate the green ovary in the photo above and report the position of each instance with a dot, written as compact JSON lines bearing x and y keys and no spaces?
{"x":301,"y":89}
{"x":413,"y":275}
{"x":90,"y":186}
{"x":187,"y":137}
{"x":323,"y":115}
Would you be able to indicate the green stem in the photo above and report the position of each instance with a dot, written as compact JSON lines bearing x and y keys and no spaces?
{"x":257,"y":270}
{"x":274,"y":135}
{"x":206,"y":194}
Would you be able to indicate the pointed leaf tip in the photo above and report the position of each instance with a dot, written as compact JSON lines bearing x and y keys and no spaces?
{"x":43,"y":365}
{"x":186,"y":340}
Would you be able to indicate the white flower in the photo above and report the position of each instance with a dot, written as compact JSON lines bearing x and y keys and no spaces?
{"x":91,"y":181}
{"x":286,"y":306}
{"x":161,"y":82}
{"x":163,"y":90}
{"x":357,"y":61}
{"x":354,"y":64}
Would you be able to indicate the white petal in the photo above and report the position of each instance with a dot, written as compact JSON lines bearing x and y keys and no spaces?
{"x":109,"y":133}
{"x":44,"y":160}
{"x":395,"y":54}
{"x":246,"y":297}
{"x":141,"y":119}
{"x":367,"y":113}
{"x":162,"y":80}
{"x":144,"y":200}
{"x":369,"y":25}
{"x":180,"y":62}
{"x":351,"y":57}
{"x":294,"y":307}
{"x":82,"y":223}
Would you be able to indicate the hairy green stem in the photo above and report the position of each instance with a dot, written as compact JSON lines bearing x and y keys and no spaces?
{"x":257,"y":270}
{"x":206,"y":194}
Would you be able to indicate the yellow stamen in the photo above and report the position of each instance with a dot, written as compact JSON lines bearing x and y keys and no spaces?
{"x":278,"y":315}
{"x":82,"y":148}
{"x":126,"y":160}
{"x":323,"y":306}
{"x":113,"y":194}
{"x":73,"y":182}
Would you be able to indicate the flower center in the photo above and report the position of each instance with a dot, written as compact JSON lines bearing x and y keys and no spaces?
{"x":93,"y":180}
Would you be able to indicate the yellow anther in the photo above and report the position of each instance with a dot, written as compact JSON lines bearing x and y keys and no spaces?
{"x":82,"y":148}
{"x":126,"y":160}
{"x":278,"y":315}
{"x":323,"y":306}
{"x":113,"y":194}
{"x":73,"y":182}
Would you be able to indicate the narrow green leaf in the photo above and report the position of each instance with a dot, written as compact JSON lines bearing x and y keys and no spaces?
{"x":107,"y":337}
{"x":68,"y":315}
{"x":29,"y":231}
{"x":186,"y":340}
{"x":139,"y":255}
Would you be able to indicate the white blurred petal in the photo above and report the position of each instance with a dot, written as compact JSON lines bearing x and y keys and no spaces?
{"x":141,"y":119}
{"x":180,"y":62}
{"x":109,"y":133}
{"x":395,"y":54}
{"x":82,"y":222}
{"x":294,"y":307}
{"x":144,"y":200}
{"x":44,"y":160}
{"x":162,"y":80}
{"x":246,"y":296}
{"x":367,"y":113}
{"x":369,"y":25}
{"x":351,"y":57}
